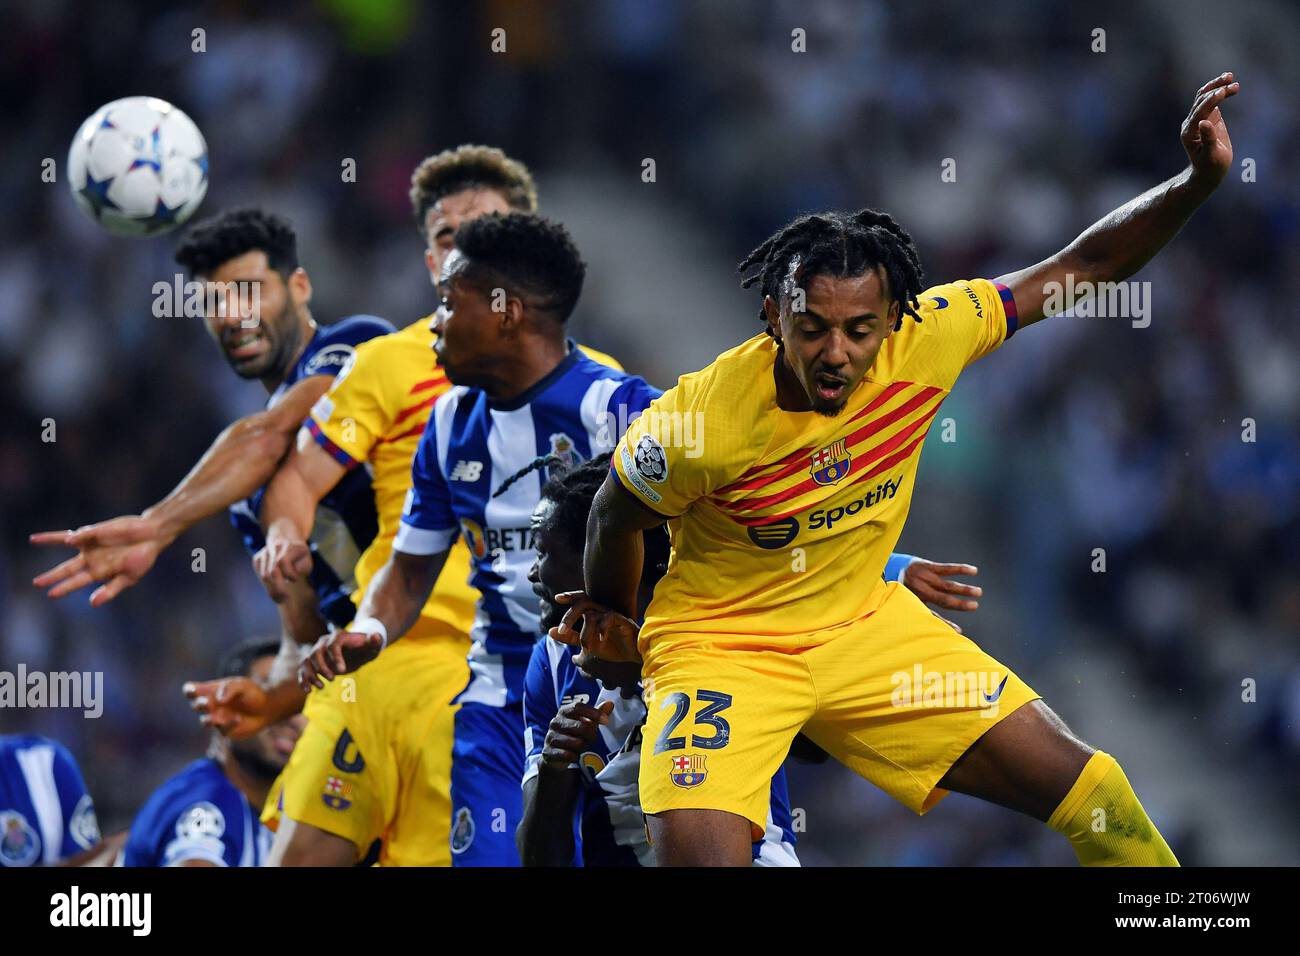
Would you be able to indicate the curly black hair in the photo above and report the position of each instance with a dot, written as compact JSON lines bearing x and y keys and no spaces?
{"x":232,"y":233}
{"x":470,"y":167}
{"x":573,"y":492}
{"x":238,"y":661}
{"x":837,"y":244}
{"x":528,"y":256}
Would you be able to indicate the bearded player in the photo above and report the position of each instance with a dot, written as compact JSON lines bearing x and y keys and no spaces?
{"x":275,"y":340}
{"x":813,"y":431}
{"x":583,"y":736}
{"x":397,"y":716}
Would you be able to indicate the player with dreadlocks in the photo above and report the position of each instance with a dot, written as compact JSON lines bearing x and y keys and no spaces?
{"x":584,"y":715}
{"x":772,"y":619}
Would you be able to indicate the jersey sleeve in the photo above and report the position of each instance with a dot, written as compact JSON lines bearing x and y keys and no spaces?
{"x":207,"y":830}
{"x":540,"y":706}
{"x":428,"y":523}
{"x":597,"y":356}
{"x":662,"y":460}
{"x":349,"y":419}
{"x":80,"y":826}
{"x":969,"y":319}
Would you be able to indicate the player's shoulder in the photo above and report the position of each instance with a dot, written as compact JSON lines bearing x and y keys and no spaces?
{"x":193,"y":809}
{"x":739,"y":378}
{"x":26,"y":754}
{"x":13,"y":744}
{"x":199,"y":784}
{"x":601,"y":358}
{"x":406,"y":348}
{"x":333,"y":346}
{"x":957,"y":296}
{"x":356,"y":329}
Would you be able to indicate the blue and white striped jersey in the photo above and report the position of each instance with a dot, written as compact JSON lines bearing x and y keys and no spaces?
{"x":46,"y":815}
{"x":611,"y":823}
{"x":197,"y":815}
{"x":470,"y":448}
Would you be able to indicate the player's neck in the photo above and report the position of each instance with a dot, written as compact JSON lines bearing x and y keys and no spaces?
{"x":254,"y":788}
{"x":306,"y":332}
{"x":537,"y":359}
{"x":790,"y":394}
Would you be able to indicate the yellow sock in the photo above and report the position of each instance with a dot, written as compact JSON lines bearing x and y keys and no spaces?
{"x":1104,"y":821}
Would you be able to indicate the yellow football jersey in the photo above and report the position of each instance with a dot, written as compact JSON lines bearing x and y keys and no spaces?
{"x":782,"y":521}
{"x":375,"y":413}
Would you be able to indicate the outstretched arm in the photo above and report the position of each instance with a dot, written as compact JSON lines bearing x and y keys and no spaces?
{"x":1121,"y":243}
{"x":117,"y":553}
{"x":391,"y":605}
{"x":288,"y":511}
{"x":614,"y":552}
{"x":600,"y":620}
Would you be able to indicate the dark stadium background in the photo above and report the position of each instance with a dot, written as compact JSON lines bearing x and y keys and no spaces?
{"x":1083,"y":434}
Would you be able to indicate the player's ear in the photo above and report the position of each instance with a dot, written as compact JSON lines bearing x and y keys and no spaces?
{"x":511,"y":308}
{"x":895,"y":313}
{"x":433,"y":269}
{"x":299,"y":286}
{"x":772,"y":311}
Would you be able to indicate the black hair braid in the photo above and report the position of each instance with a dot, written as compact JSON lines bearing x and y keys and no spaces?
{"x":573,"y":493}
{"x":541,"y":461}
{"x":837,"y":244}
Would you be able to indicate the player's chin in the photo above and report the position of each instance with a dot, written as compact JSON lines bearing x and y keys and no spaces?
{"x":829,"y":409}
{"x":259,"y":366}
{"x":552,"y":615}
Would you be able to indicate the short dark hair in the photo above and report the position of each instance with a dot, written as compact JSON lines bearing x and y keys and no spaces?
{"x":235,"y":232}
{"x":573,"y":493}
{"x":838,"y":244}
{"x":470,"y":167}
{"x":528,"y":256}
{"x":238,"y":661}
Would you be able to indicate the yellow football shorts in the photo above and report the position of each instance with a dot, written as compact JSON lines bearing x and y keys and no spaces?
{"x":374,"y":762}
{"x":897,"y":696}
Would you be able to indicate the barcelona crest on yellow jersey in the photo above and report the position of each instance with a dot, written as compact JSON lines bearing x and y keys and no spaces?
{"x":830,"y":464}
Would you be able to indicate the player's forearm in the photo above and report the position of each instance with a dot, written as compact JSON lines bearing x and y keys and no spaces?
{"x":400,"y":589}
{"x":545,"y":834}
{"x":613,"y":556}
{"x":241,"y":460}
{"x":1123,"y":241}
{"x":289,"y":505}
{"x":300,"y":619}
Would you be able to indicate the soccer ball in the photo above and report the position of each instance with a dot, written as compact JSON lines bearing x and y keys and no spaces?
{"x":138,"y":166}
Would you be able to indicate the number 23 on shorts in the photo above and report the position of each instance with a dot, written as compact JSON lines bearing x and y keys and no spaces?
{"x":711,"y":705}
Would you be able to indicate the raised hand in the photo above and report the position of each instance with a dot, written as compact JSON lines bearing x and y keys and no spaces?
{"x":336,"y":654}
{"x":236,"y":707}
{"x":115,"y":554}
{"x":1205,"y":135}
{"x":281,"y":562}
{"x":571,"y":730}
{"x":600,"y":632}
{"x":929,"y":580}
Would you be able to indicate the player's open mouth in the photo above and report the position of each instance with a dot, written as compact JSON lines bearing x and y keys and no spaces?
{"x":829,"y":387}
{"x":246,"y":346}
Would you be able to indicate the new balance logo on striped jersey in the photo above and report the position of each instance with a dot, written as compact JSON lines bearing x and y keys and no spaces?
{"x":466,"y":471}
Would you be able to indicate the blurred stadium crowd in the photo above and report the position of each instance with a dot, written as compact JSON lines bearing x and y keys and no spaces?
{"x":1083,"y":434}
